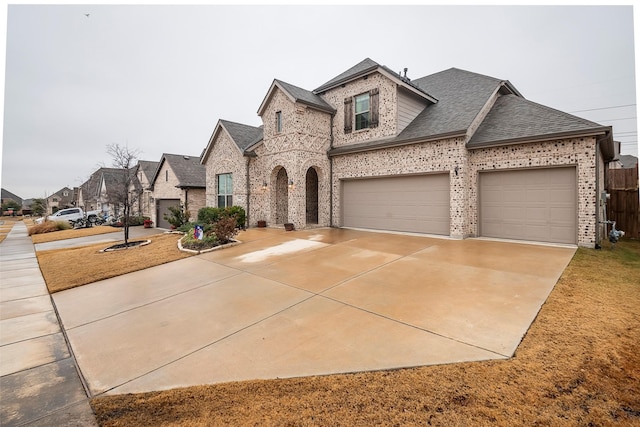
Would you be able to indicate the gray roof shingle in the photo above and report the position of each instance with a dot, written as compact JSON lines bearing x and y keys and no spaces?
{"x":242,"y":135}
{"x":306,"y":97}
{"x":362,"y":67}
{"x":188,"y":170}
{"x":461,"y":95}
{"x":514,"y":119}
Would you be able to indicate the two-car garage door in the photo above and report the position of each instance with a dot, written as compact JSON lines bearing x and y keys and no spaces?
{"x":526,"y":204}
{"x":531,"y":204}
{"x":412,"y":203}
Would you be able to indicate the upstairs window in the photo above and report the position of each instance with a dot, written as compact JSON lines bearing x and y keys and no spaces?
{"x":279,"y":121}
{"x":364,"y":108}
{"x":166,"y":175}
{"x":225,"y":190}
{"x":362,"y":111}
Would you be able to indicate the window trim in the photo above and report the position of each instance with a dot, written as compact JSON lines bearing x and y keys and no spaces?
{"x":278,"y":121}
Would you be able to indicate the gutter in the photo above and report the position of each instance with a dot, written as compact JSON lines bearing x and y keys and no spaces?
{"x":331,"y":173}
{"x":248,"y":213}
{"x":540,"y":138}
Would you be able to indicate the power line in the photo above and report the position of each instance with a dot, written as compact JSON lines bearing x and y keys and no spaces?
{"x":613,"y":120}
{"x":603,"y":108}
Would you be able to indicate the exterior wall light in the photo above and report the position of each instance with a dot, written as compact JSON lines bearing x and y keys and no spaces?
{"x":291,"y":184}
{"x":264,"y":186}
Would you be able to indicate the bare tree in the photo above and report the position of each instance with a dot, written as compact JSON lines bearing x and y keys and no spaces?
{"x":122,"y":192}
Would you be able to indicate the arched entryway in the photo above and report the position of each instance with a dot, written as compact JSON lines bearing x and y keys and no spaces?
{"x":312,"y":196}
{"x":282,"y":197}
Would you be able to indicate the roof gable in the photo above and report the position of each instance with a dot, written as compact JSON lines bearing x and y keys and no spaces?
{"x":295,"y":94}
{"x":188,"y":170}
{"x":368,"y":66}
{"x":243,"y":136}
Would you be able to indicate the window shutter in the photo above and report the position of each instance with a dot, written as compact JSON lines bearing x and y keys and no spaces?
{"x":373,"y":99}
{"x":348,"y":115}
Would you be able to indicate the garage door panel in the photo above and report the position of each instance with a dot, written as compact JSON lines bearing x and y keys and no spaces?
{"x":535,"y":204}
{"x":417,"y":203}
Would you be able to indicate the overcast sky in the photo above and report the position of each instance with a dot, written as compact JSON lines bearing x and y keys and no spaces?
{"x":158,"y":78}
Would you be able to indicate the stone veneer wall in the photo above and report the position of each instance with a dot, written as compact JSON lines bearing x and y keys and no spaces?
{"x":196,"y":201}
{"x":303,"y":143}
{"x":388,"y":105}
{"x":429,"y":157}
{"x":225,"y":157}
{"x":579,"y":152}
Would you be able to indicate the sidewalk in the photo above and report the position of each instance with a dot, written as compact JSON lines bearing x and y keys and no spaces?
{"x":39,"y":381}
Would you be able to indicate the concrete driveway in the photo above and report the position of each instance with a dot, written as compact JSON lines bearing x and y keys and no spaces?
{"x":313,"y":302}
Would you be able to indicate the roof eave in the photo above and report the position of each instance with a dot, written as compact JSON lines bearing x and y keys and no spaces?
{"x":603,"y":131}
{"x":346,"y":79}
{"x":360,"y":148}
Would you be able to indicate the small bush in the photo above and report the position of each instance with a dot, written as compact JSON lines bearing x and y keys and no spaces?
{"x":136,"y":220}
{"x":190,"y":242}
{"x":179,"y":216}
{"x":225,"y":229}
{"x":49,"y":226}
{"x":209,"y":215}
{"x":239,"y":213}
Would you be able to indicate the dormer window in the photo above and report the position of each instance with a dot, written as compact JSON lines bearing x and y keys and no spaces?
{"x":279,"y":121}
{"x":364,"y":108}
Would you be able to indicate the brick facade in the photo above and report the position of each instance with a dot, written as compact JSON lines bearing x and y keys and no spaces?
{"x":308,"y":134}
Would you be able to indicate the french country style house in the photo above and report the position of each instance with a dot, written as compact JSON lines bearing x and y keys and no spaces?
{"x":455,"y":153}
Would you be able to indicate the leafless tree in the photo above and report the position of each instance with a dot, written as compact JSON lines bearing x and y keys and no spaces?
{"x":122,"y":191}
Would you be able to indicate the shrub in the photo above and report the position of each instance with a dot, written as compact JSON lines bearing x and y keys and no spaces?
{"x":209,"y":215}
{"x":136,"y":220}
{"x":49,"y":226}
{"x":178,"y":216}
{"x":239,"y":213}
{"x":224,"y":229}
{"x":190,"y":242}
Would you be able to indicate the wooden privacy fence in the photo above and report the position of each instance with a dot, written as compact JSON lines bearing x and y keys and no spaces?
{"x":624,"y":203}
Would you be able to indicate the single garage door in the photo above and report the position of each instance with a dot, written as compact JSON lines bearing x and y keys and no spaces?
{"x":163,"y":209}
{"x":415,"y":203}
{"x":532,"y":204}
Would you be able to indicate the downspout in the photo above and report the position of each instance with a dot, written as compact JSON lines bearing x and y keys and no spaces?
{"x":331,"y":173}
{"x":248,"y":214}
{"x":186,"y":202}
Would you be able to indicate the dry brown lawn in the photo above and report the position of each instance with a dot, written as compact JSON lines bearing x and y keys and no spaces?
{"x":70,"y":234}
{"x":579,"y":364}
{"x":91,"y":265}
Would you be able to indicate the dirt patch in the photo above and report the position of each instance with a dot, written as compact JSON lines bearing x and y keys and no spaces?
{"x":577,"y":365}
{"x":90,"y":264}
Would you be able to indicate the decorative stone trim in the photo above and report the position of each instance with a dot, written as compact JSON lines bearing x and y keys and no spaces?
{"x":234,"y":242}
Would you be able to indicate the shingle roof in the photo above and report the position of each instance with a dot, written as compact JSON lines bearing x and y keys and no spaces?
{"x":242,"y":135}
{"x":148,"y":168}
{"x":306,"y":96}
{"x":365,"y":67}
{"x":188,"y":170}
{"x":6,"y":194}
{"x":628,"y":161}
{"x":461,"y":95}
{"x":90,"y":187}
{"x":360,"y":68}
{"x":513,"y":119}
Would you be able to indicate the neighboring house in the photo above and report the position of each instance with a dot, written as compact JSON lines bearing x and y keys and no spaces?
{"x":145,"y":171}
{"x":454,"y":153}
{"x":625,"y":161}
{"x":61,"y":199}
{"x":8,"y":195}
{"x":178,"y":180}
{"x":88,"y":193}
{"x":112,"y":191}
